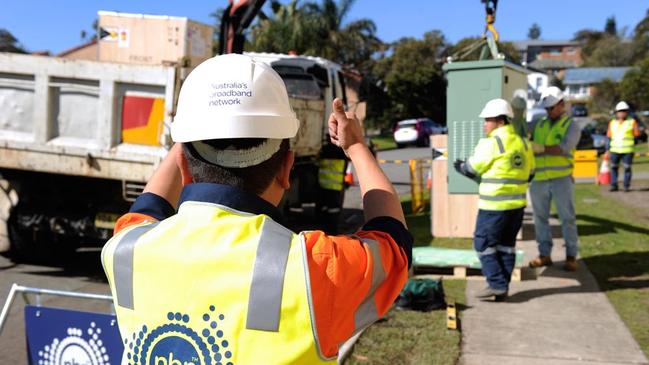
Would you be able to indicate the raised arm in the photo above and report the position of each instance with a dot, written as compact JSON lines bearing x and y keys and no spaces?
{"x":379,"y":197}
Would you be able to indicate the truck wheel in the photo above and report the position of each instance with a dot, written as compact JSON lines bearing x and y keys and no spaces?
{"x":8,"y":200}
{"x":37,"y":245}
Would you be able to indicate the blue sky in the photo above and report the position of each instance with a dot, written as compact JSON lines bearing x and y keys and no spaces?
{"x":56,"y":25}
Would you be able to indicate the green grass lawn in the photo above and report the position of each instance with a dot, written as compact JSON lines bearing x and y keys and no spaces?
{"x":384,"y":142}
{"x":409,"y":337}
{"x":641,"y":163}
{"x":614,"y":241}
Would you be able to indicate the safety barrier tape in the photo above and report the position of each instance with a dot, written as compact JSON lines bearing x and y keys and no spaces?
{"x":423,"y":160}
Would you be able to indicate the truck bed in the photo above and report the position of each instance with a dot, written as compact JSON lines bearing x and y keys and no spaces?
{"x":65,"y":116}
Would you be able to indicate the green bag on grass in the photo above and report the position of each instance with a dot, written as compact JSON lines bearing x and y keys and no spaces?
{"x":422,"y":295}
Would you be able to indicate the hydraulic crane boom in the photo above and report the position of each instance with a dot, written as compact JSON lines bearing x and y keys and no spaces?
{"x":236,"y":18}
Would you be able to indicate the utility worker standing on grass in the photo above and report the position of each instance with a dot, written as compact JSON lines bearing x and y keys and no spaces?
{"x":554,"y":140}
{"x":503,"y":164}
{"x":222,"y":281}
{"x":621,"y":133}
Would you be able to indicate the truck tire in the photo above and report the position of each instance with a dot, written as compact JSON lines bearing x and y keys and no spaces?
{"x":8,"y":200}
{"x":39,"y":246}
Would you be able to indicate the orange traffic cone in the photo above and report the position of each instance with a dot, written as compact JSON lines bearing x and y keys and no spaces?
{"x":349,"y":175}
{"x":604,"y":177}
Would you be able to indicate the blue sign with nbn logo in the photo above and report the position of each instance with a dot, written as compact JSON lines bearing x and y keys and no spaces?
{"x":66,"y":337}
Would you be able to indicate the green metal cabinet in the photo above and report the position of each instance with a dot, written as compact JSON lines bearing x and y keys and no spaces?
{"x":470,"y":85}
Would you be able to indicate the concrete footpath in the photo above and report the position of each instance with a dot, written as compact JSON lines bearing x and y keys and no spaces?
{"x":560,"y":318}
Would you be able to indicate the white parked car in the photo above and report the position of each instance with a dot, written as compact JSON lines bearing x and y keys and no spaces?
{"x":416,"y":131}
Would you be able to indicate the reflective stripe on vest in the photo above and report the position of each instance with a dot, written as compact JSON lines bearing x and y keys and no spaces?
{"x":230,"y":285}
{"x":504,"y":185}
{"x":331,"y":174}
{"x":548,"y":134}
{"x":123,"y":273}
{"x":268,"y":274}
{"x":366,"y":314}
{"x":622,"y":140}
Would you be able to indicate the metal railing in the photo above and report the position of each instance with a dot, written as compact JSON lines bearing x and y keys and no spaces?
{"x":24,"y":290}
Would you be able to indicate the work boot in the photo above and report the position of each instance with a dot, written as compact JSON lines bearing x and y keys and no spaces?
{"x":571,"y":264}
{"x":541,"y":261}
{"x":613,"y":188}
{"x":499,"y":295}
{"x":627,"y":189}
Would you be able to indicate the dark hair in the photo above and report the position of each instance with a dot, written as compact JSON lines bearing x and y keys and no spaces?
{"x":503,"y":118}
{"x":254,"y":179}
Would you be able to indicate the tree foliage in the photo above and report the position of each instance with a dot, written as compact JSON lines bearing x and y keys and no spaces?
{"x":506,"y":48}
{"x":319,"y":29}
{"x":611,"y":26}
{"x":534,"y":32}
{"x":634,"y":87}
{"x":413,"y":79}
{"x":606,"y":94}
{"x":9,"y":43}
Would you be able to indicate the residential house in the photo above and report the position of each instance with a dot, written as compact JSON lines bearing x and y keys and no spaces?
{"x":580,"y":82}
{"x":550,"y":55}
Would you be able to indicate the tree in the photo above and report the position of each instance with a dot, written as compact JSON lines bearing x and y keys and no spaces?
{"x":534,"y":32}
{"x":506,"y":48}
{"x":605,"y":95}
{"x":634,"y":87}
{"x":413,"y":80}
{"x":611,"y":26}
{"x":641,"y":39}
{"x":9,"y":43}
{"x":318,"y":29}
{"x":610,"y":51}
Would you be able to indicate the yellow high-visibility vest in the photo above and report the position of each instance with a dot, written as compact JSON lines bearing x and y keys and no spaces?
{"x":504,"y":162}
{"x":331,"y":174}
{"x":548,"y":134}
{"x":622,"y":140}
{"x":211,"y":285}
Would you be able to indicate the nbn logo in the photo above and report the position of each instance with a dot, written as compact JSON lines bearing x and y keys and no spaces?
{"x":174,"y":350}
{"x":159,"y":360}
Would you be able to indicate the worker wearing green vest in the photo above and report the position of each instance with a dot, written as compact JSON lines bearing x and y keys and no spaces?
{"x":554,"y":139}
{"x":621,"y":133}
{"x":503,"y":164}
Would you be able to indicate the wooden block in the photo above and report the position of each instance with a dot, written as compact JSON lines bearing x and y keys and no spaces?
{"x":451,"y":316}
{"x":459,"y":272}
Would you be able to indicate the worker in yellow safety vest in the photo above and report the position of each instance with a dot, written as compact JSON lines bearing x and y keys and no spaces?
{"x":622,"y":131}
{"x":331,"y":179}
{"x":554,"y":140}
{"x":503,"y":164}
{"x":222,"y":280}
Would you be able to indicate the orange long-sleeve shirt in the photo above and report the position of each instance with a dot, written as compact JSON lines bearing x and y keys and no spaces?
{"x":340,"y":267}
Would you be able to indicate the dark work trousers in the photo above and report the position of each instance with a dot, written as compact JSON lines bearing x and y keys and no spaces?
{"x":627,"y":161}
{"x":495,"y":243}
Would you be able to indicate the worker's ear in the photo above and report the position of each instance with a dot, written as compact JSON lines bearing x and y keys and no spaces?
{"x":284,"y":175}
{"x":181,"y":161}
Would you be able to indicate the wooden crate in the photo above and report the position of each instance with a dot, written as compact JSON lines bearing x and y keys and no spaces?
{"x":153,"y":39}
{"x":453,"y":215}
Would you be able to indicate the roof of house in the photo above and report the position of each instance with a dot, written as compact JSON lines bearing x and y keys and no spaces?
{"x":74,"y":49}
{"x":522,"y":45}
{"x":551,"y":64}
{"x":593,"y":75}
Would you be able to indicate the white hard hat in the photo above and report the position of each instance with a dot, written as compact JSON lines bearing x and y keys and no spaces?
{"x":551,"y":96}
{"x":233,"y":96}
{"x":495,"y":108}
{"x":622,"y":105}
